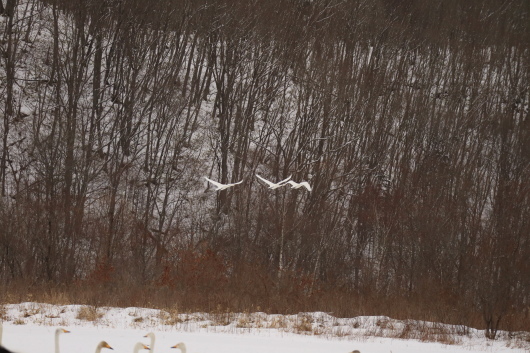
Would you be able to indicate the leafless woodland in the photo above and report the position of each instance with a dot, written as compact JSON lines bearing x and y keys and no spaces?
{"x":410,"y":119}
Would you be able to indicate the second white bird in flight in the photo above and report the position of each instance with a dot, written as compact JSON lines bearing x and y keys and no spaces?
{"x":294,"y":185}
{"x":274,"y":185}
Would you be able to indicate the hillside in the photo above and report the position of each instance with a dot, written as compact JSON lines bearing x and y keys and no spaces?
{"x":409,"y":119}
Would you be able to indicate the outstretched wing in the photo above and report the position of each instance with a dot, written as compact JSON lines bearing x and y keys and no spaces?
{"x":265,"y":180}
{"x":219,"y":185}
{"x":306,"y":184}
{"x":239,"y":182}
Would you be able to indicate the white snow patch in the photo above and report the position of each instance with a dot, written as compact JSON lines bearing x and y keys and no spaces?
{"x":30,"y":327}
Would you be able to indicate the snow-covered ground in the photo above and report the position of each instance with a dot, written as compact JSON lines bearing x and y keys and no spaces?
{"x":30,"y":327}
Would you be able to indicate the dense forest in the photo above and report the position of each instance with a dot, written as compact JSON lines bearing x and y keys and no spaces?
{"x":409,"y":119}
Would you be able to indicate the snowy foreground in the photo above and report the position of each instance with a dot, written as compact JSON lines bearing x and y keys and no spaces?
{"x":30,"y":327}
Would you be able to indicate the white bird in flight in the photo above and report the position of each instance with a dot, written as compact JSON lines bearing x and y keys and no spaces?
{"x":222,"y":186}
{"x":274,"y":185}
{"x":295,"y":185}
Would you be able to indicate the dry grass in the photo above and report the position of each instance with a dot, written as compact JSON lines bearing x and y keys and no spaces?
{"x":341,"y":333}
{"x":56,"y":297}
{"x":31,"y":311}
{"x":137,"y":318}
{"x":222,"y":317}
{"x":417,"y":330}
{"x":304,"y":324}
{"x":89,"y":313}
{"x":170,"y":317}
{"x":278,"y":322}
{"x":248,"y":320}
{"x":3,"y":313}
{"x":385,"y":324}
{"x":245,"y":321}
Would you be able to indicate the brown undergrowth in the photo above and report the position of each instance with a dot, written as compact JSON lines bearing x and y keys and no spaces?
{"x":247,"y":297}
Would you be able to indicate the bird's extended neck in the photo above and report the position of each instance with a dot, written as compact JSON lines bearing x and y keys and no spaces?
{"x":99,"y":347}
{"x":57,"y":333}
{"x":137,"y":347}
{"x":152,"y":337}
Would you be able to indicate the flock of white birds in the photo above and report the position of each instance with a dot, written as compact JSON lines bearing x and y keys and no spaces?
{"x":103,"y":344}
{"x":294,"y":185}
